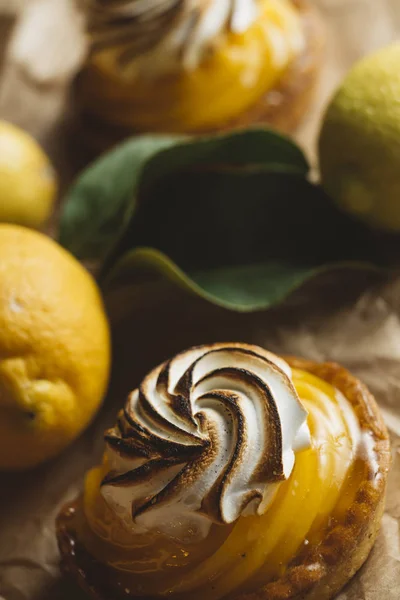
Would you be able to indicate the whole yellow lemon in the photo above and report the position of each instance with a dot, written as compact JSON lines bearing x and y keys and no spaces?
{"x":360,"y":141}
{"x":54,"y":348}
{"x":28,"y":183}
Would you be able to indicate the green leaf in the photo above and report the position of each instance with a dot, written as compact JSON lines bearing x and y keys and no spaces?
{"x":244,"y":288}
{"x":230,"y":218}
{"x":101,"y":204}
{"x":251,"y":149}
{"x":243,"y":241}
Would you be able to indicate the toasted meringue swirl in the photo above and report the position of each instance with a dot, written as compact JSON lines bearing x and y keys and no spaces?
{"x":208,"y":436}
{"x":166,"y":34}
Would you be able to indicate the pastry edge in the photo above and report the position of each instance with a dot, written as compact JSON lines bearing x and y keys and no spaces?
{"x":345,"y":547}
{"x":284,"y":106}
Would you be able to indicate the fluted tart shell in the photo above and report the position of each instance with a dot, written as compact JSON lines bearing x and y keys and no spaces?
{"x":281,"y":108}
{"x":317,"y":573}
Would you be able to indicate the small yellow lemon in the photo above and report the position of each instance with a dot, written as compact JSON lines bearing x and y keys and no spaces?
{"x":360,"y":141}
{"x":28,"y":183}
{"x":54,"y":348}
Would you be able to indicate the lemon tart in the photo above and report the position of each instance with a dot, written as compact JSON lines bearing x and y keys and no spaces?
{"x":198,"y":66}
{"x":232,"y":473}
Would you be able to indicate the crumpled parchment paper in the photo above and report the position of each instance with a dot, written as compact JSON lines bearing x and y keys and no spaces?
{"x":352,"y":320}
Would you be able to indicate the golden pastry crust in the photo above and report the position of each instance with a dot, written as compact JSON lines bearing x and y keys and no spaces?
{"x":315,"y":574}
{"x":281,"y":108}
{"x":321,"y":573}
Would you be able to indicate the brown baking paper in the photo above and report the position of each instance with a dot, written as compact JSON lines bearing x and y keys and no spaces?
{"x":359,"y":328}
{"x":352,"y":320}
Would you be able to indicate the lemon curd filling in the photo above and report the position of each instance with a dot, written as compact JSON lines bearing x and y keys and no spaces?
{"x":255,"y":549}
{"x":240,"y":69}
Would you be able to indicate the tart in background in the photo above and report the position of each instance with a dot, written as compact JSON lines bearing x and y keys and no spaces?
{"x":198,"y":66}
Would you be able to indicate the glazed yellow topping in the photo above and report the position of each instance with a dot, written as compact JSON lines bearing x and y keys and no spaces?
{"x":235,"y":76}
{"x":255,"y":549}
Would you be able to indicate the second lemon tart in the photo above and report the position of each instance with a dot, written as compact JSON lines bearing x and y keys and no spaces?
{"x":197,"y":66}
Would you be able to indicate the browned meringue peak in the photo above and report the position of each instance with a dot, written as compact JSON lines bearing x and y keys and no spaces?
{"x":174,"y":33}
{"x":139,"y":23}
{"x":207,"y":437}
